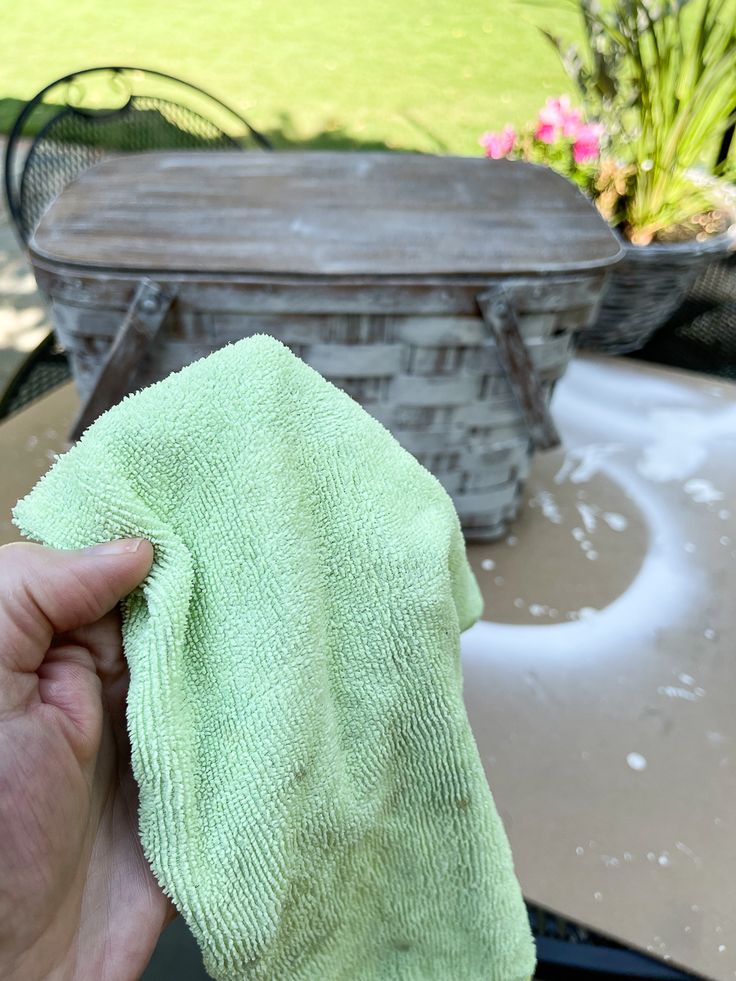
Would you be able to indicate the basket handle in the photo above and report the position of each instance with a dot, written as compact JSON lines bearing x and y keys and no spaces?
{"x":143,"y":320}
{"x":496,"y":307}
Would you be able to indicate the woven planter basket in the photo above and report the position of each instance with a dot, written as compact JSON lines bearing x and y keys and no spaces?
{"x":647,"y":286}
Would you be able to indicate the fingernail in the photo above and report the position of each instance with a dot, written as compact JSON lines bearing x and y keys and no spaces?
{"x":118,"y":547}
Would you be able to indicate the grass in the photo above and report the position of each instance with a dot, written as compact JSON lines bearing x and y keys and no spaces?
{"x":406,"y":74}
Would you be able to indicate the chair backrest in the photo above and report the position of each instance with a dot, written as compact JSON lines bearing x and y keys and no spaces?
{"x":82,"y":118}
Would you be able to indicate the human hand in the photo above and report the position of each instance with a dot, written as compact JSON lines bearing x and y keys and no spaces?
{"x":77,"y":897}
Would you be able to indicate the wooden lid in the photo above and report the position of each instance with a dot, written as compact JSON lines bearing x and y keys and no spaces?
{"x":323,"y":214}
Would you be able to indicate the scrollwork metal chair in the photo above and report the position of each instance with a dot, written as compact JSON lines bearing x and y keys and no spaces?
{"x":84,"y":117}
{"x":45,"y":368}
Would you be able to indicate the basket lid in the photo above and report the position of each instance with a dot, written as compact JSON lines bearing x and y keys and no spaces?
{"x":323,"y":214}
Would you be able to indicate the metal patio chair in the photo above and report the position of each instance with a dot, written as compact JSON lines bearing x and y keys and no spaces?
{"x":701,"y":335}
{"x":84,"y":117}
{"x":39,"y":372}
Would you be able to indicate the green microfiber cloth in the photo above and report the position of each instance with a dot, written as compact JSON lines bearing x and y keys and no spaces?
{"x":311,"y":796}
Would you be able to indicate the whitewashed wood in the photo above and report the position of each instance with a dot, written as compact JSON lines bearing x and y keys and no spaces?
{"x":448,"y":401}
{"x":378,"y":305}
{"x":487,"y":502}
{"x":366,"y":214}
{"x":351,"y":360}
{"x":122,"y":361}
{"x":268,"y":295}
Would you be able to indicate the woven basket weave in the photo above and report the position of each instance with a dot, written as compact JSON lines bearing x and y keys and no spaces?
{"x":649,"y":284}
{"x":434,"y":380}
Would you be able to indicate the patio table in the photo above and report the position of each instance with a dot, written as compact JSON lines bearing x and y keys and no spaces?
{"x":601,"y":683}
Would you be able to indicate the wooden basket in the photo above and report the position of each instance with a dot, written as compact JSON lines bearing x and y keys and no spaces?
{"x":443,"y":294}
{"x":436,"y":381}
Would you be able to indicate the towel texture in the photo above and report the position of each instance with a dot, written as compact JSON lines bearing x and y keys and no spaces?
{"x":311,"y":796}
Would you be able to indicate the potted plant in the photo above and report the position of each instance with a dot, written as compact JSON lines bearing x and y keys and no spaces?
{"x":657,"y":85}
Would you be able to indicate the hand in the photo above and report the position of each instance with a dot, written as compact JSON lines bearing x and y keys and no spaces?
{"x":77,"y":898}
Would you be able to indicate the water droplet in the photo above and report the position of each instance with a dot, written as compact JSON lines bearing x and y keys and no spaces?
{"x":598,"y":896}
{"x":636,"y":761}
{"x":579,"y":850}
{"x":488,"y":564}
{"x":616,"y":522}
{"x":709,"y":634}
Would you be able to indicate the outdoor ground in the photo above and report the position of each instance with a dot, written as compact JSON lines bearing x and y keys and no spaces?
{"x":23,"y":319}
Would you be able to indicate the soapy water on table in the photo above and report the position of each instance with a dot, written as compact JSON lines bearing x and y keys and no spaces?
{"x":670,"y":437}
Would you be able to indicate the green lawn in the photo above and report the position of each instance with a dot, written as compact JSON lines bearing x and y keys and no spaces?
{"x":420,"y":74}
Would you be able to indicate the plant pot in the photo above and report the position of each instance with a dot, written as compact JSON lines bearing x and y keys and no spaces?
{"x":647,"y":286}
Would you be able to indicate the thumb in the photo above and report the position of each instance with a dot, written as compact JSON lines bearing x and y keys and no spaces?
{"x":45,"y":592}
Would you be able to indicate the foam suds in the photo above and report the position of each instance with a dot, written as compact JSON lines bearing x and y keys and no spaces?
{"x":545,"y":500}
{"x":584,"y":462}
{"x":702,"y":491}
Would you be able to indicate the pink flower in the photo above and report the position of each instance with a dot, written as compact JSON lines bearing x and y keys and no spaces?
{"x":587,"y":144}
{"x":498,"y":145}
{"x":558,"y":118}
{"x":571,"y":124}
{"x":546,"y":132}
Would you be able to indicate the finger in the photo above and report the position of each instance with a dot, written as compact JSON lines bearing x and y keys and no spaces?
{"x":67,"y":679}
{"x":45,"y":592}
{"x":103,"y":641}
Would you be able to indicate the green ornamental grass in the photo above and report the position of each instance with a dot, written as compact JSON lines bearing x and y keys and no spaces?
{"x":661,"y":77}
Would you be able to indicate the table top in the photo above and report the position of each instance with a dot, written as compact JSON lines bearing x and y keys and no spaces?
{"x":600,"y":685}
{"x":323,"y":214}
